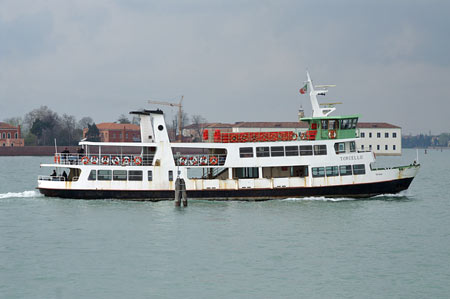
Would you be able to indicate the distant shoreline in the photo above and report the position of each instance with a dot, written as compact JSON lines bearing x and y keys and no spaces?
{"x":45,"y":150}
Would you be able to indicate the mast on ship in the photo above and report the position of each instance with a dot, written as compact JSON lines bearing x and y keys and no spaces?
{"x":314,"y":92}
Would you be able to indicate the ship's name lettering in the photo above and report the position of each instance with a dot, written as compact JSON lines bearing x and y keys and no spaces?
{"x":352,"y":158}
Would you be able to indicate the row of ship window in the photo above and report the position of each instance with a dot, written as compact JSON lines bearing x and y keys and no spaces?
{"x":289,"y":151}
{"x":281,"y":151}
{"x":386,"y":135}
{"x":122,"y":175}
{"x":341,"y":170}
{"x":137,"y":175}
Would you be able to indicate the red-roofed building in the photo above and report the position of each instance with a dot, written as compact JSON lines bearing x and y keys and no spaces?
{"x":113,"y":132}
{"x":10,"y":135}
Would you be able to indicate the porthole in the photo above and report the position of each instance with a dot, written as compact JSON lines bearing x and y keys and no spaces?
{"x":160,"y":127}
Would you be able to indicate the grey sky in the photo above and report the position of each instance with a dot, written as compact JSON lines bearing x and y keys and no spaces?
{"x":232,"y":60}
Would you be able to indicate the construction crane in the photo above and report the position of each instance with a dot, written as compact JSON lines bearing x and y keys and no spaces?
{"x":180,"y":112}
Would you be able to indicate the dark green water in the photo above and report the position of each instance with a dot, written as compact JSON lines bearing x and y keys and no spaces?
{"x":385,"y":247}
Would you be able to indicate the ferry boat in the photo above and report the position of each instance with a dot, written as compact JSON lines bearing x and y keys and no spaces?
{"x":323,"y":161}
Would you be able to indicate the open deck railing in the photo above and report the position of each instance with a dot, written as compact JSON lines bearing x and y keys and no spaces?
{"x":414,"y":165}
{"x":104,"y":159}
{"x":51,"y":178}
{"x":56,"y":178}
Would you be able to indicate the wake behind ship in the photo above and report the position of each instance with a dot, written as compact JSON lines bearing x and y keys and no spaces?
{"x":323,"y":161}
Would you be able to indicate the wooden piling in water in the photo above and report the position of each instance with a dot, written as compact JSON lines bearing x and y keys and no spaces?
{"x":180,"y":192}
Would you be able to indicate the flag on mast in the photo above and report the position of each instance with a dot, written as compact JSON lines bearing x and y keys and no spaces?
{"x":304,"y":89}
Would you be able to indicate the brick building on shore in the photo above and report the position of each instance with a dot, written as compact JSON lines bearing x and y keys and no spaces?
{"x":113,"y":132}
{"x":10,"y":136}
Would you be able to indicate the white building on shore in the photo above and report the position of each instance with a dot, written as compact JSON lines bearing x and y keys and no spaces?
{"x":381,"y":138}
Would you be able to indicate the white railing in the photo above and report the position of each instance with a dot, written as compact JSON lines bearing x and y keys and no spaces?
{"x":51,"y":178}
{"x":104,"y":159}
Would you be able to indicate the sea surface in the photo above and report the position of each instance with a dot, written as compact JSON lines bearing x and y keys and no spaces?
{"x":392,"y":246}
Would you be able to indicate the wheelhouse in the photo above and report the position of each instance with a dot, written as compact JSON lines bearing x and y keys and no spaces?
{"x":328,"y":127}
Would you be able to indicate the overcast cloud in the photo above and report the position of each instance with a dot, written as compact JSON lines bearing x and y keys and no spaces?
{"x":232,"y":60}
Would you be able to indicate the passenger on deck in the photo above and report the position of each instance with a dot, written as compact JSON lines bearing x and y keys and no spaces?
{"x":80,"y":152}
{"x":54,"y":173}
{"x":64,"y":174}
{"x":64,"y":154}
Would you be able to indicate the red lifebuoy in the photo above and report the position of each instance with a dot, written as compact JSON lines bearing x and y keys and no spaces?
{"x":126,"y":161}
{"x":182,"y":161}
{"x":213,"y":160}
{"x":105,"y":160}
{"x":57,"y":159}
{"x":85,"y":160}
{"x":332,"y":134}
{"x":203,"y":160}
{"x":193,"y":160}
{"x":137,"y":160}
{"x":94,"y":160}
{"x":115,"y":160}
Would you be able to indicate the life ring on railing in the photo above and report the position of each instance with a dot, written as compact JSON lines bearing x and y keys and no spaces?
{"x":57,"y":159}
{"x":332,"y":134}
{"x":294,"y":136}
{"x":182,"y":161}
{"x":126,"y":161}
{"x":115,"y":160}
{"x":94,"y":160}
{"x":203,"y":160}
{"x":193,"y":160}
{"x":213,"y":160}
{"x":105,"y":160}
{"x":137,"y":160}
{"x":85,"y":160}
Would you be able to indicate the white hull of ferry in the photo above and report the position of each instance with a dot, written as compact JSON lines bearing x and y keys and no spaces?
{"x":373,"y":182}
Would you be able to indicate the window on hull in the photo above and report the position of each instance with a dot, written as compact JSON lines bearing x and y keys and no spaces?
{"x":318,"y":172}
{"x":345,"y":170}
{"x":135,"y":175}
{"x":104,"y":175}
{"x":284,"y":172}
{"x":246,"y":173}
{"x":116,"y":175}
{"x":331,"y":171}
{"x":306,"y":150}
{"x":320,"y":149}
{"x":119,"y":175}
{"x":359,"y":169}
{"x":277,"y":151}
{"x":246,"y":152}
{"x":262,"y":151}
{"x":92,"y":175}
{"x":339,"y":147}
{"x":291,"y":151}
